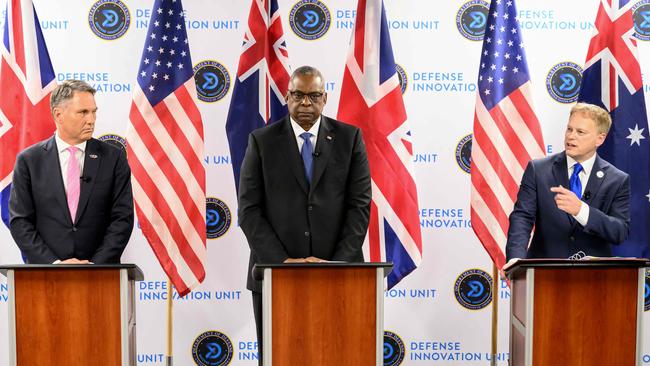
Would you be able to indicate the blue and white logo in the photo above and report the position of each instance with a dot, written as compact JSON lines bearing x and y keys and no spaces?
{"x":212,"y":348}
{"x":403,"y":79}
{"x":109,"y":19}
{"x":217,"y":217}
{"x":310,"y":19}
{"x":115,"y":140}
{"x":212,"y":81}
{"x":563,"y":82}
{"x":647,"y":291}
{"x":464,"y":153}
{"x":473,"y":289}
{"x":641,"y":16}
{"x":471,"y":19}
{"x":394,"y":350}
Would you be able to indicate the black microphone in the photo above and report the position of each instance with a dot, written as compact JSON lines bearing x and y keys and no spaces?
{"x":85,"y":179}
{"x":587,"y":195}
{"x":316,"y":154}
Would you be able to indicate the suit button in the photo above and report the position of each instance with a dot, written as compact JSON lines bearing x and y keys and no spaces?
{"x":306,"y":233}
{"x":572,"y":238}
{"x":310,"y":208}
{"x":74,"y":228}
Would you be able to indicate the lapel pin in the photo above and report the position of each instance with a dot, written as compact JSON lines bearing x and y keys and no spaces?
{"x":328,"y":137}
{"x":92,"y":156}
{"x":600,"y":174}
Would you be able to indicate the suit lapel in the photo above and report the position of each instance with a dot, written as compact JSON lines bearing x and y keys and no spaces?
{"x":92,"y":161}
{"x":53,"y":168}
{"x":289,"y":147}
{"x":596,"y":179}
{"x":324,"y":144}
{"x":561,"y":175}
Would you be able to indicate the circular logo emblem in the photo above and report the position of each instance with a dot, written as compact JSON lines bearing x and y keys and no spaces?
{"x":109,"y":19}
{"x":473,"y":289}
{"x":212,"y":348}
{"x":641,"y":16}
{"x":403,"y":79}
{"x":563,"y":82}
{"x":464,"y":153}
{"x":394,"y":350}
{"x":115,"y":140}
{"x":212,"y":81}
{"x":217,"y":217}
{"x":647,"y":290}
{"x":310,"y":19}
{"x":471,"y":19}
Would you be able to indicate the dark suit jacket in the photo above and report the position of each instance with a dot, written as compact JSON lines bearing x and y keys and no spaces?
{"x":40,"y":220}
{"x":283,"y":216}
{"x":557,"y":233}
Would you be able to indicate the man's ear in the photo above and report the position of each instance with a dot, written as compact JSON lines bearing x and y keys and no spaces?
{"x":600,"y":139}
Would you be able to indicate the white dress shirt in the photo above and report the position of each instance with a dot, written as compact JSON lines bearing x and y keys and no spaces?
{"x":297,"y":130}
{"x":64,"y":157}
{"x":583,"y":216}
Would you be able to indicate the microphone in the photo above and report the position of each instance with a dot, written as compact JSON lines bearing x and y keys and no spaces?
{"x":85,"y":179}
{"x":316,"y":154}
{"x":587,"y":195}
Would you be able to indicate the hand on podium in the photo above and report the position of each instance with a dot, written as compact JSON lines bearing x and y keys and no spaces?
{"x":75,"y":261}
{"x":305,"y":260}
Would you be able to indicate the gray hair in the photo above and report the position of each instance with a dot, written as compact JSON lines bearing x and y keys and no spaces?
{"x":307,"y":71}
{"x":65,"y":91}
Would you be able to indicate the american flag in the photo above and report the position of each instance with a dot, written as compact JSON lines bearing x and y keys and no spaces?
{"x":372,"y":100}
{"x":26,"y":81}
{"x":612,"y":79}
{"x":507,"y":134}
{"x":262,"y":79}
{"x":165,"y":148}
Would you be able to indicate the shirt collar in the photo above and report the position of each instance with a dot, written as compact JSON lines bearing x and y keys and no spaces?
{"x":297,"y":130}
{"x":587,"y":165}
{"x":62,"y":145}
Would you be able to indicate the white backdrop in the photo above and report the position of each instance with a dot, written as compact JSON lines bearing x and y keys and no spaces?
{"x":441,"y":67}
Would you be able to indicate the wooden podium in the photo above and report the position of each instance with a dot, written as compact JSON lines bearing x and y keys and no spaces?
{"x":323,"y":314}
{"x":579,"y":313}
{"x":71,"y":315}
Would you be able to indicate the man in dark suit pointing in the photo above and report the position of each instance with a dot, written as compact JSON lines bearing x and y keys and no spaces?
{"x":304,"y":191}
{"x":71,"y":198}
{"x":576,"y":201}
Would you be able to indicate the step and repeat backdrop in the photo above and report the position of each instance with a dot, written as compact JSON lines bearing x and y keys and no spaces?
{"x":430,"y":318}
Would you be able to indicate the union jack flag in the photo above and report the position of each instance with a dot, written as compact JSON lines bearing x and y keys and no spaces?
{"x":262,"y":79}
{"x":612,"y":79}
{"x":507,"y":134}
{"x":371,"y":99}
{"x":26,"y":81}
{"x":165,"y":149}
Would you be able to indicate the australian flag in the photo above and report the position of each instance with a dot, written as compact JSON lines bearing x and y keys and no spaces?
{"x":262,"y":79}
{"x":612,"y":80}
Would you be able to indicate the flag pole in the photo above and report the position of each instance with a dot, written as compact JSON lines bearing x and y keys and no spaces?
{"x":495,"y":312}
{"x":170,"y":353}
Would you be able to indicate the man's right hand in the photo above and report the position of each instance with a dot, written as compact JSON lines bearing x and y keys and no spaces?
{"x":295,"y":260}
{"x":74,"y":261}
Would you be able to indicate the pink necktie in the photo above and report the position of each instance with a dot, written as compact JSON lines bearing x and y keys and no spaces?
{"x":73,"y":182}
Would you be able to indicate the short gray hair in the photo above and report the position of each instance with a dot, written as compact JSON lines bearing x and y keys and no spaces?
{"x":64,"y":92}
{"x":307,"y":71}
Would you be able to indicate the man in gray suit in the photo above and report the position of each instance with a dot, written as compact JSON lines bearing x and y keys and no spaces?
{"x":71,"y":198}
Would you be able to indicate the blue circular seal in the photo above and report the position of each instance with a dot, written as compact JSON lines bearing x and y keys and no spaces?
{"x":563,"y":82}
{"x":464,"y":153}
{"x":212,"y":81}
{"x":310,"y":19}
{"x":471,"y":19}
{"x":403,"y":79}
{"x":109,"y":19}
{"x":641,"y":16}
{"x":217,"y":217}
{"x":212,"y":348}
{"x":647,"y":291}
{"x":113,"y":139}
{"x":394,"y":350}
{"x":473,"y":289}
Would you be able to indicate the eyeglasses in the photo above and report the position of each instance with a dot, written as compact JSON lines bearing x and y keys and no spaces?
{"x":299,"y":96}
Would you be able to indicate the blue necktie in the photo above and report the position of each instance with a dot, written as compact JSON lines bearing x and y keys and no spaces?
{"x":574,"y":181}
{"x":307,"y":154}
